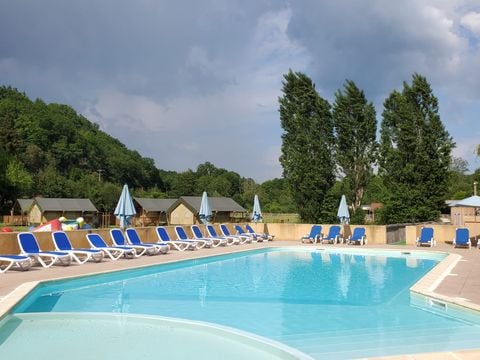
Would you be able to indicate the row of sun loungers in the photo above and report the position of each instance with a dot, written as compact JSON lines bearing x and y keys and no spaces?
{"x":126,"y":244}
{"x":426,"y":238}
{"x":334,"y":236}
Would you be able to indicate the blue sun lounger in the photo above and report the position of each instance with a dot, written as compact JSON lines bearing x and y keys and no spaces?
{"x":213,"y":233}
{"x":260,"y":236}
{"x":118,"y":238}
{"x":18,"y":261}
{"x":180,"y":245}
{"x":358,"y":237}
{"x":197,"y":234}
{"x":426,"y":237}
{"x":182,"y":236}
{"x":29,"y":247}
{"x":314,"y":236}
{"x":134,"y":239}
{"x":113,"y":252}
{"x":242,"y":239}
{"x":333,"y":235}
{"x":240,"y":231}
{"x":462,"y":238}
{"x":81,"y":256}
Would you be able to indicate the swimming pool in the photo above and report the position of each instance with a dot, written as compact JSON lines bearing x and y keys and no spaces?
{"x":328,"y":304}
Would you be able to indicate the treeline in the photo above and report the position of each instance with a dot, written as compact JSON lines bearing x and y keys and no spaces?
{"x":327,"y":150}
{"x":49,"y":150}
{"x":330,"y":149}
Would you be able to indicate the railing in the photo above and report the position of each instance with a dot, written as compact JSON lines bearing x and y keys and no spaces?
{"x":17,"y":220}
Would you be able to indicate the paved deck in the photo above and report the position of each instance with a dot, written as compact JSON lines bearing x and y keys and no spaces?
{"x":457,"y":281}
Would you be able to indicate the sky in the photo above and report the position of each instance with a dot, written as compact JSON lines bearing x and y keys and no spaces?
{"x":185,"y":82}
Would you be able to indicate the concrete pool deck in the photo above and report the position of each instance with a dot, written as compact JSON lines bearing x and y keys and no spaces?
{"x":455,"y":280}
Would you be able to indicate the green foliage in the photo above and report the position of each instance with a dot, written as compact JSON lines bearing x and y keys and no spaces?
{"x":376,"y":191}
{"x":332,"y":201}
{"x":275,"y":196}
{"x":355,"y":129}
{"x":18,"y":177}
{"x":51,"y":150}
{"x":307,"y":144}
{"x":415,"y":154}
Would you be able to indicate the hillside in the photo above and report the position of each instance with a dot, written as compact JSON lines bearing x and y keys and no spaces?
{"x":50,"y":150}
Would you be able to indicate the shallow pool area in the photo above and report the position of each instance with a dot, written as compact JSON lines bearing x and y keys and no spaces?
{"x":108,"y":336}
{"x":327,"y":303}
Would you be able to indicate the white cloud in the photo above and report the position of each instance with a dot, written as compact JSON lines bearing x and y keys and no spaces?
{"x":206,"y":125}
{"x":167,"y":82}
{"x":471,"y":21}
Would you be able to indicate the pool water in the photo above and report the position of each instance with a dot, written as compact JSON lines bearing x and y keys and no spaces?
{"x":326,"y":304}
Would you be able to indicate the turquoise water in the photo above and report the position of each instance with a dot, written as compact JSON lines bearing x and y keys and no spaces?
{"x":328,"y":305}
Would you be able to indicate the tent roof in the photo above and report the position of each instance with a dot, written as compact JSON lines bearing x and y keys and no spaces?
{"x":24,"y":204}
{"x":218,"y":204}
{"x":160,"y":205}
{"x":472,"y":201}
{"x":58,"y":204}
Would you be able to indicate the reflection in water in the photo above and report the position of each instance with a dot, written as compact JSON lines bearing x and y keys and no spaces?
{"x":202,"y":288}
{"x":122,"y":301}
{"x":325,"y":257}
{"x":411,"y":262}
{"x":344,"y":275}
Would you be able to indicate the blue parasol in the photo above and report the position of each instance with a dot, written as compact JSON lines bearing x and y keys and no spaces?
{"x":205,"y":212}
{"x":125,"y":210}
{"x":257,"y":212}
{"x":342,"y":212}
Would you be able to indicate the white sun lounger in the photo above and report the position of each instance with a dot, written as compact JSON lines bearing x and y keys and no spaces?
{"x":182,"y":236}
{"x":180,"y":245}
{"x":242,"y":239}
{"x":118,"y":239}
{"x":29,"y":247}
{"x":213,"y":233}
{"x":134,"y":239}
{"x":197,"y":234}
{"x":81,"y":256}
{"x":20,"y":261}
{"x":113,"y":252}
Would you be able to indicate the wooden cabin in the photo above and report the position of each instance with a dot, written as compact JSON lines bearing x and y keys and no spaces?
{"x":46,"y":209}
{"x":151,"y":212}
{"x":184,"y":211}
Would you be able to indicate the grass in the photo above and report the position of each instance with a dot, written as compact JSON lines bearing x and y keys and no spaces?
{"x":402,"y":242}
{"x":14,"y":227}
{"x":291,"y":218}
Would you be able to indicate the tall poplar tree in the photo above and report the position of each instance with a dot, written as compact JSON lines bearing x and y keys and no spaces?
{"x":355,"y":125}
{"x":415,"y":154}
{"x":307,"y":144}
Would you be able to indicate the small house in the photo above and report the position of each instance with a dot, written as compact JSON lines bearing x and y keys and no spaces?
{"x":184,"y":211}
{"x":46,"y":209}
{"x":151,"y":211}
{"x":19,"y":213}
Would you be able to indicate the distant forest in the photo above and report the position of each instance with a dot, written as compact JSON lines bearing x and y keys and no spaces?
{"x":50,"y":150}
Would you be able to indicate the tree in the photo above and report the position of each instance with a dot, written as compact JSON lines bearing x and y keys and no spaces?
{"x":307,"y":144}
{"x":19,"y":178}
{"x":460,"y":183}
{"x":415,"y":154}
{"x":355,"y":126}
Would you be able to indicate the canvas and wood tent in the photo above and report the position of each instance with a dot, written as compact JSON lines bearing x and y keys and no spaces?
{"x":151,"y":211}
{"x":46,"y":209}
{"x":19,"y":213}
{"x":184,"y":211}
{"x":464,"y":211}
